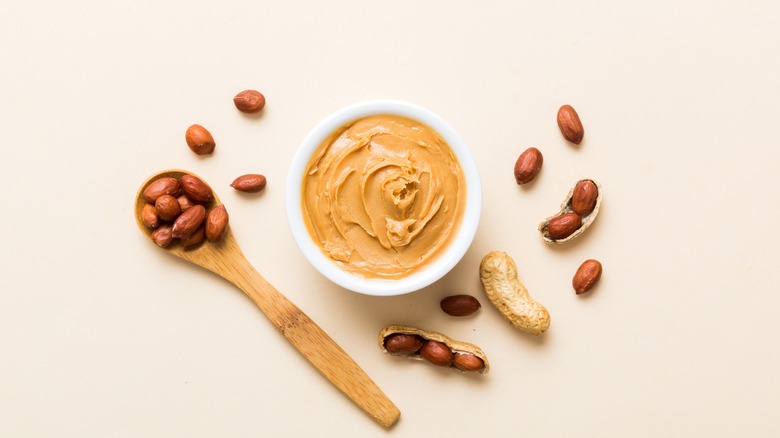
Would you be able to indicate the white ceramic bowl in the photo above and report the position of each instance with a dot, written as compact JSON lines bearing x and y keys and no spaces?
{"x":440,"y":265}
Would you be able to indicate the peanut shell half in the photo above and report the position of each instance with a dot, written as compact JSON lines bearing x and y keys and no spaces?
{"x":566,"y":207}
{"x":455,"y":346}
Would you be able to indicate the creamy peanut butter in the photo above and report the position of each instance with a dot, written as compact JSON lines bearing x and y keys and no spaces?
{"x":383,"y":196}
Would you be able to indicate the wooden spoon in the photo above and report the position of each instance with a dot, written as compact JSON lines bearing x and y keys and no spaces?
{"x":226,"y":259}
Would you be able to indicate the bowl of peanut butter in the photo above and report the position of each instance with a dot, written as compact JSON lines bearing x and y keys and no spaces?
{"x":383,"y":197}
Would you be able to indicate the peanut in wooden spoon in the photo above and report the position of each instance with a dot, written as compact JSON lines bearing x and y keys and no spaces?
{"x":226,"y":259}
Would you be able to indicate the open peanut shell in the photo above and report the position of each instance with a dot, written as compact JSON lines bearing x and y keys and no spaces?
{"x":455,"y":346}
{"x":587,"y":220}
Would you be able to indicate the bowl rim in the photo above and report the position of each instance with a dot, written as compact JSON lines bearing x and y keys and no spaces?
{"x":445,"y":261}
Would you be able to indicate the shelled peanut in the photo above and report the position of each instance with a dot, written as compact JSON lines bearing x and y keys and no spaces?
{"x":183,"y":210}
{"x":249,"y":101}
{"x":433,"y":347}
{"x":570,"y":125}
{"x":528,"y":165}
{"x":249,"y":183}
{"x":587,"y":275}
{"x":459,"y":305}
{"x":199,"y":140}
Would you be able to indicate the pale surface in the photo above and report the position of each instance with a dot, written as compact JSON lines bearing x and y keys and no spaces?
{"x":101,"y":334}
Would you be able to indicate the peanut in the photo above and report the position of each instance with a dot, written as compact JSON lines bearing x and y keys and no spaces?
{"x":583,"y":200}
{"x":195,"y":189}
{"x":498,"y":274}
{"x":587,"y":275}
{"x":436,"y":353}
{"x":194,"y":239}
{"x":570,"y":125}
{"x":400,"y":343}
{"x":217,"y":223}
{"x":528,"y":165}
{"x":159,"y":187}
{"x":184,"y":202}
{"x":149,"y":216}
{"x":189,"y":221}
{"x":459,"y":305}
{"x":467,"y":362}
{"x":564,"y":225}
{"x":250,"y":183}
{"x":199,"y":140}
{"x":163,"y":235}
{"x":249,"y":101}
{"x":167,"y":208}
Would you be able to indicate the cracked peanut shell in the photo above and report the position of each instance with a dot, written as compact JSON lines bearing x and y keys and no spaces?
{"x":566,"y":207}
{"x":455,"y":346}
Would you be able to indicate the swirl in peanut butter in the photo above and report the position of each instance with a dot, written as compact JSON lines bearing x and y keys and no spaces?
{"x":383,"y":196}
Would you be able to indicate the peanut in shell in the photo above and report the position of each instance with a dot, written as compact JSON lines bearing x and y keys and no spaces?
{"x":498,"y":273}
{"x":566,"y":208}
{"x":426,"y":335}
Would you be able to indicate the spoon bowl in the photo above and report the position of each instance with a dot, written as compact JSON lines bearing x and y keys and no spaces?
{"x":225,"y":259}
{"x":203,"y":255}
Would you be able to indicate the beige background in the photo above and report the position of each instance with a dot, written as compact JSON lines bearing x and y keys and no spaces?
{"x":102,"y":334}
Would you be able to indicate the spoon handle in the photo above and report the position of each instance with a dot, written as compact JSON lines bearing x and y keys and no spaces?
{"x":314,"y":344}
